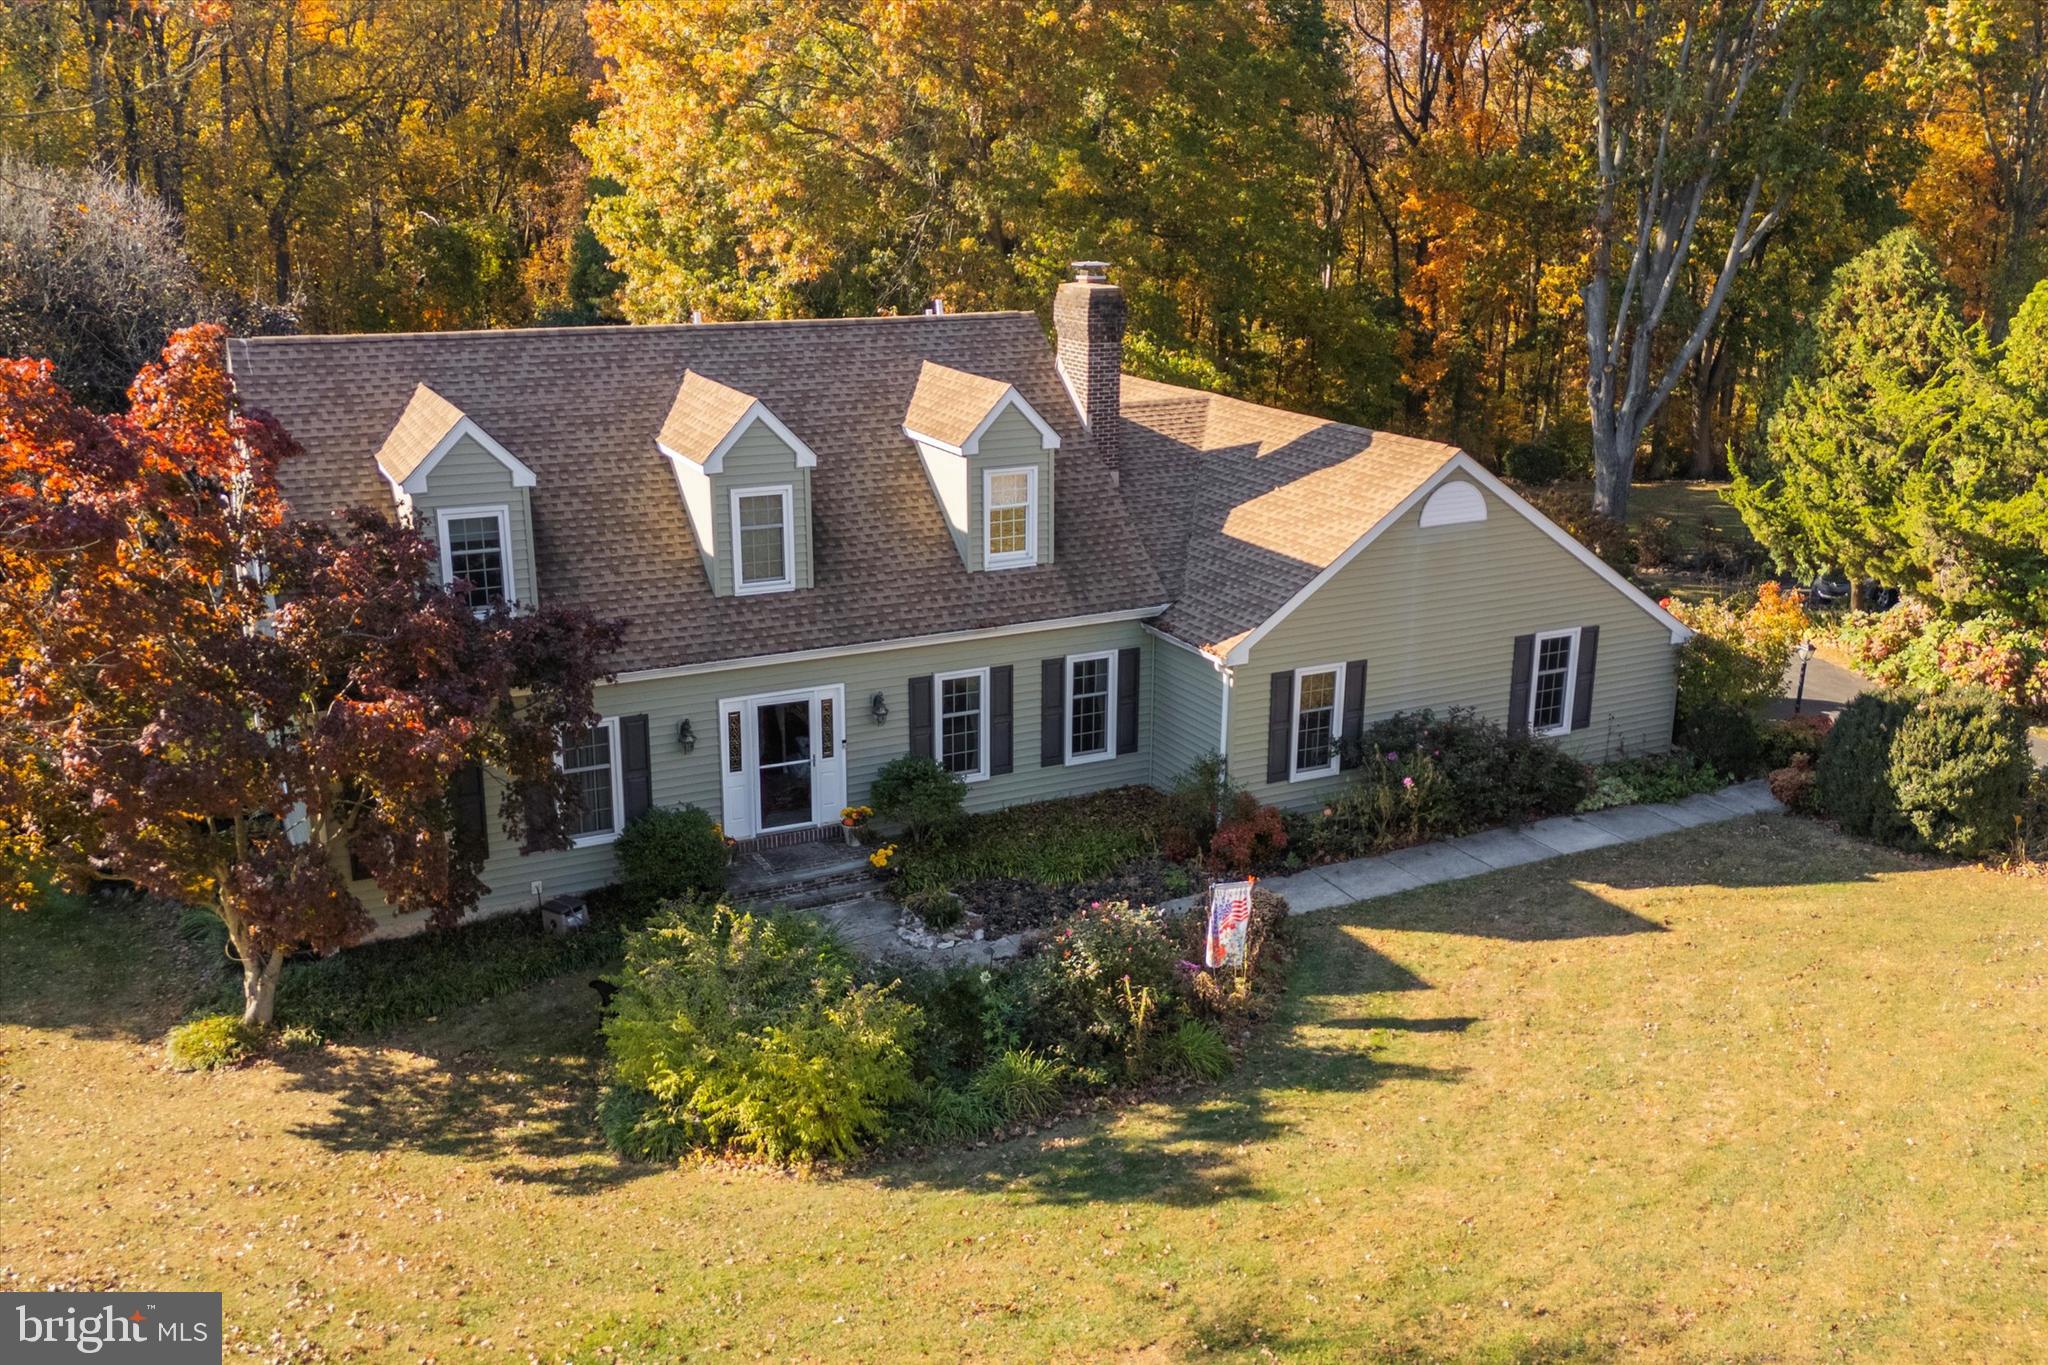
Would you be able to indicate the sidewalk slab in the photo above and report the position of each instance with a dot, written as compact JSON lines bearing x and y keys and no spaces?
{"x":1429,"y":863}
{"x":1306,"y":891}
{"x":1570,"y":834}
{"x":1363,"y":879}
{"x":1751,"y":798}
{"x":1685,"y":814}
{"x":1499,"y":848}
{"x":1631,"y":822}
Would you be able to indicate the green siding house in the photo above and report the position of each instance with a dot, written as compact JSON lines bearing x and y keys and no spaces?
{"x":837,"y":542}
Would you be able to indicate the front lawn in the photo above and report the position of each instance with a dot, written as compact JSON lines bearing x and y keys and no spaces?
{"x":1751,"y":1091}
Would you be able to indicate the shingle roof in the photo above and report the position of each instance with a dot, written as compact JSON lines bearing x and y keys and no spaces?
{"x":1241,"y":506}
{"x":704,"y":414}
{"x":427,"y":418}
{"x":950,"y":405}
{"x":581,"y":407}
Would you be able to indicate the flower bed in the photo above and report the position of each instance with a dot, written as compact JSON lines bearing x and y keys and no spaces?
{"x":761,"y":1036}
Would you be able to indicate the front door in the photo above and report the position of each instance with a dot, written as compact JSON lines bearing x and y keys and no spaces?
{"x":783,"y":760}
{"x":782,"y":776}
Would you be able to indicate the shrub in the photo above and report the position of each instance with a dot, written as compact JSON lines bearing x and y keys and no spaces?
{"x":1393,"y":801}
{"x":212,"y":1041}
{"x":1958,"y":771}
{"x":1052,"y":843}
{"x":1195,"y":806}
{"x":1099,"y":986}
{"x":1853,"y":776}
{"x":751,"y":1032}
{"x":1785,"y":740}
{"x":1020,"y":1085}
{"x":1196,"y":1049}
{"x":1533,"y":462}
{"x":1655,"y":777}
{"x":1572,"y":510}
{"x":1251,"y":838}
{"x":1794,"y":783}
{"x":1420,"y":776}
{"x":669,"y":853}
{"x":918,"y":794}
{"x":1913,"y":646}
{"x":1739,"y":651}
{"x":1724,"y":736}
{"x":939,"y":1113}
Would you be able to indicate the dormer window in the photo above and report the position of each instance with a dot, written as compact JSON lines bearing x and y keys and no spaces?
{"x":767,"y":543}
{"x":746,"y":485}
{"x":1009,"y":503}
{"x":476,"y":549}
{"x":988,"y":456}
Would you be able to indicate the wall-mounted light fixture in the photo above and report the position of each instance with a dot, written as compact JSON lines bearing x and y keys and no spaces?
{"x":685,"y":736}
{"x":878,"y":707}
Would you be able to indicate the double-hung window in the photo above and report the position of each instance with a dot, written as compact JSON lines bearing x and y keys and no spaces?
{"x":963,"y":723}
{"x":1551,"y":682}
{"x":476,"y":547}
{"x":1091,"y":707}
{"x":1009,"y":513}
{"x":591,"y":761}
{"x":763,"y":539}
{"x":1318,"y":701}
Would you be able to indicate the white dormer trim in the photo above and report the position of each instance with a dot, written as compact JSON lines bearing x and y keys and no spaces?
{"x":757,"y":411}
{"x":1048,"y":439}
{"x":416,"y":482}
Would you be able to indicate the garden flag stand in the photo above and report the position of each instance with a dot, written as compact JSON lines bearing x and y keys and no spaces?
{"x":1230,"y":910}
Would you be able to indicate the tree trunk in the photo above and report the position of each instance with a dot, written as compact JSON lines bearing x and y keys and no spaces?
{"x":1614,"y":462}
{"x":1855,"y":593}
{"x":259,"y":988}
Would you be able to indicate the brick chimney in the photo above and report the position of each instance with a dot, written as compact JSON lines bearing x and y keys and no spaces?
{"x":1088,"y":320}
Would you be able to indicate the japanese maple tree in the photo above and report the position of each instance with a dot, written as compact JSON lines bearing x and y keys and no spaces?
{"x":220,"y":701}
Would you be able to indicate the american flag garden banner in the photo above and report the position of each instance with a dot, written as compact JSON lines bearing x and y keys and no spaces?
{"x":1230,"y":911}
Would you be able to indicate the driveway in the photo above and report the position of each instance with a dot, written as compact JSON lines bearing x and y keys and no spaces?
{"x":1830,"y":687}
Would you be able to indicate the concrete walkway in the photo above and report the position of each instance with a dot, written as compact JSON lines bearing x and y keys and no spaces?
{"x":1363,"y":879}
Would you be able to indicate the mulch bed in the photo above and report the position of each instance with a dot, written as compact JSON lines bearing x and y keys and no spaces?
{"x":1010,"y":905}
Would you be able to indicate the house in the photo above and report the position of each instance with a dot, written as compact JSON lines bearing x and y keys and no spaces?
{"x":837,"y":542}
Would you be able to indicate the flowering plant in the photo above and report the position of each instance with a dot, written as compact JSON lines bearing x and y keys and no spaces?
{"x":853,"y":817}
{"x":880,"y":857}
{"x":1912,"y":646}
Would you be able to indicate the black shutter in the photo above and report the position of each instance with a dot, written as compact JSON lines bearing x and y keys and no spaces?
{"x":357,"y":872}
{"x":1001,"y":690}
{"x":637,"y":769}
{"x":1582,"y":689}
{"x":538,"y":801}
{"x":466,"y":798}
{"x":1052,"y":713}
{"x":1354,"y":712}
{"x":1127,"y":701}
{"x":1280,"y":728}
{"x":921,"y":717}
{"x":1518,"y":686}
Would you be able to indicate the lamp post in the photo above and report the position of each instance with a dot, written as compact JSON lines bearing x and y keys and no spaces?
{"x":1806,"y":652}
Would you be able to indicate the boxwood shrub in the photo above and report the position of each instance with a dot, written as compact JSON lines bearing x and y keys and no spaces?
{"x":1958,"y":771}
{"x":669,"y":853}
{"x":1852,"y":782}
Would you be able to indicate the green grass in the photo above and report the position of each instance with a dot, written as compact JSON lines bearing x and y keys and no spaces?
{"x":1748,"y":1092}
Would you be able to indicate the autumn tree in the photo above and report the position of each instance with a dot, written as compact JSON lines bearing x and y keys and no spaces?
{"x":221,"y":703}
{"x":1704,"y":119}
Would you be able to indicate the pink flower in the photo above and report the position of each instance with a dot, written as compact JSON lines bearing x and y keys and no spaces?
{"x":1407,"y":781}
{"x":1392,"y":756}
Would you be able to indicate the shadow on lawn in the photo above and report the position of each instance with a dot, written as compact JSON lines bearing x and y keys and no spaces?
{"x":512,"y":1084}
{"x":1192,"y":1148}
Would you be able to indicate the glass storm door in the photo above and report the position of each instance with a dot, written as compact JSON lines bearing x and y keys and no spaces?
{"x":783,"y":772}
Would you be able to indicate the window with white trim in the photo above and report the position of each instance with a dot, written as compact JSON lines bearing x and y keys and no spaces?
{"x":1091,"y":707}
{"x":962,"y":701}
{"x":1009,"y":515}
{"x":1318,"y":701}
{"x":764,"y":544}
{"x":591,"y":761}
{"x":476,"y":547}
{"x":1551,"y":682}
